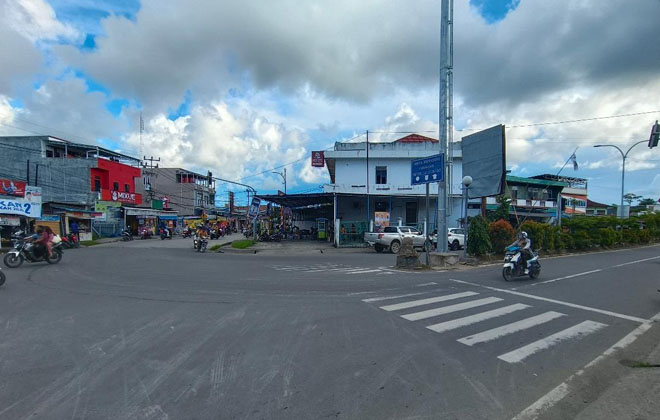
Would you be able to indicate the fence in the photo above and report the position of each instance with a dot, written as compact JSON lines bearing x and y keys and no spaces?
{"x":106,"y":229}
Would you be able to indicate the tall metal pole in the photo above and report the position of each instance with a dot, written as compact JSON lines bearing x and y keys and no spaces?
{"x":427,"y":233}
{"x":284,"y":181}
{"x":443,"y":121}
{"x":623,"y":167}
{"x":368,"y":212}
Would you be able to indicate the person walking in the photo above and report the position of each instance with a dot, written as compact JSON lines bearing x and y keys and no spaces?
{"x":75,"y":229}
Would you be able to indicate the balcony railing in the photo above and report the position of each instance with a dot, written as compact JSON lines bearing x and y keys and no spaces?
{"x":521,"y":202}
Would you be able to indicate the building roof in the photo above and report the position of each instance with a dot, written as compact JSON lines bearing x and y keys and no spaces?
{"x":299,"y":200}
{"x":416,"y":138}
{"x":533,"y":181}
{"x":595,"y":204}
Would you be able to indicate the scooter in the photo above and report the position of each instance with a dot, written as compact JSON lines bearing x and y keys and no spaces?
{"x":70,"y":241}
{"x":199,"y":244}
{"x":513,"y":266}
{"x":26,"y":250}
{"x":165,"y":234}
{"x":126,"y":235}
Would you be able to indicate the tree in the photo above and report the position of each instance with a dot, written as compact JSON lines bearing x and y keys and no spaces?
{"x":502,"y":211}
{"x":630,"y":197}
{"x":646,"y":202}
{"x":478,"y":240}
{"x":501,"y":235}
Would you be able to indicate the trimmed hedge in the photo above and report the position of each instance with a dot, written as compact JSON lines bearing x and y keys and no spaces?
{"x":501,"y":235}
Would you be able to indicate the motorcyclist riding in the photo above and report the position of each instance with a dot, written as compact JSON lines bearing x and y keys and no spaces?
{"x":525,"y":245}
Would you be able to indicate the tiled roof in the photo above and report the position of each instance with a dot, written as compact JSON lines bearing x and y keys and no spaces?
{"x":416,"y":138}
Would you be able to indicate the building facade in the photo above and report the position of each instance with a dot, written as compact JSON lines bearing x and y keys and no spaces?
{"x":377,"y":190}
{"x":189,"y":193}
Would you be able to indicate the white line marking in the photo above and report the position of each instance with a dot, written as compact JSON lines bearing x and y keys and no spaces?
{"x":426,"y":284}
{"x":635,"y":262}
{"x":565,"y":277}
{"x":473,"y":319}
{"x":580,"y":330}
{"x":414,"y":303}
{"x":508,"y":329}
{"x":363,"y":271}
{"x":376,"y":299}
{"x":449,"y":309}
{"x":559,"y":302}
{"x":561,"y":390}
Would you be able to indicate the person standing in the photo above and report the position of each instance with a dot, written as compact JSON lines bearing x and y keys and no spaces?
{"x":75,"y":229}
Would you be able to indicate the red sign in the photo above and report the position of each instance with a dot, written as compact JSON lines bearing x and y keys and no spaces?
{"x":124,"y":197}
{"x":11,"y":187}
{"x":318,"y":159}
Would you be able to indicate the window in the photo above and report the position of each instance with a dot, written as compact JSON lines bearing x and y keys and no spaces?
{"x":127,"y":188}
{"x":97,"y":183}
{"x":381,"y":205}
{"x":514,"y":193}
{"x":381,"y":175}
{"x":115,"y":186}
{"x":390,"y":229}
{"x":411,"y":213}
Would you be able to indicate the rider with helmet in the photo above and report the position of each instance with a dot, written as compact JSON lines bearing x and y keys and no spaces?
{"x":525,"y":245}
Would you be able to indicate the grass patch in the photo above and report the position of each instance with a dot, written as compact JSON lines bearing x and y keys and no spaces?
{"x":215,"y":247}
{"x":89,"y":243}
{"x":638,"y":364}
{"x":242,"y":243}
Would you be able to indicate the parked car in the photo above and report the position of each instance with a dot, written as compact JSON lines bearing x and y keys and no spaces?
{"x":455,"y":238}
{"x":391,"y":238}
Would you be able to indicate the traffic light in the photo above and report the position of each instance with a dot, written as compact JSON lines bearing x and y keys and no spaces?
{"x":655,"y":135}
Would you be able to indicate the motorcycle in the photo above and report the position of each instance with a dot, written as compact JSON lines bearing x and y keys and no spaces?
{"x":145,"y":234}
{"x":26,"y":250}
{"x":199,"y":244}
{"x":165,"y":234}
{"x":126,"y":235}
{"x":70,"y":241}
{"x":187,"y":233}
{"x":513,"y":266}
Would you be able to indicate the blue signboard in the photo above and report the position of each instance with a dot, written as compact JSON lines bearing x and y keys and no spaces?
{"x":254,"y":208}
{"x":429,"y":169}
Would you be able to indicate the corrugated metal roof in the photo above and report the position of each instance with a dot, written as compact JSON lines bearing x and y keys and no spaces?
{"x":416,"y":138}
{"x":532,"y":181}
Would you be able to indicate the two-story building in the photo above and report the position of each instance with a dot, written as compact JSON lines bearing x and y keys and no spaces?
{"x":377,"y":190}
{"x":531,"y":198}
{"x":73,"y":177}
{"x":188,"y":192}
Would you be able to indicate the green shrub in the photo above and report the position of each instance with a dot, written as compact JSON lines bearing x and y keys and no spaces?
{"x":607,"y":237}
{"x":644,"y":236}
{"x":537,"y":233}
{"x":478,"y":240}
{"x":582,"y":240}
{"x":501,"y":235}
{"x":243,"y":243}
{"x":631,"y":236}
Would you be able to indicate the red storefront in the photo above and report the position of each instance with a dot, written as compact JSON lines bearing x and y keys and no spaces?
{"x":116,"y":182}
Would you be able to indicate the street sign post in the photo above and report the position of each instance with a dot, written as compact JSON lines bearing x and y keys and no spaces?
{"x":429,"y":169}
{"x":425,"y":171}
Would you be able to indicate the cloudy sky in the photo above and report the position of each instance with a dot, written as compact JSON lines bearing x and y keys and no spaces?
{"x":242,"y":87}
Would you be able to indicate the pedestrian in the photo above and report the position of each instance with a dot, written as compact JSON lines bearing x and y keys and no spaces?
{"x":75,"y":229}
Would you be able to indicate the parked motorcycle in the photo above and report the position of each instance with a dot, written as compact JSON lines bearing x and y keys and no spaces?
{"x":126,"y":235}
{"x":513,"y":266}
{"x":70,"y":241}
{"x":145,"y":234}
{"x":187,"y":233}
{"x":26,"y":250}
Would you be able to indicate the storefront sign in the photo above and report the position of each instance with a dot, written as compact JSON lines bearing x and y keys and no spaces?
{"x":123,"y":197}
{"x":103,"y":206}
{"x":318,"y":159}
{"x":32,"y":194}
{"x":10,"y":221}
{"x":20,"y":207}
{"x":11,"y":187}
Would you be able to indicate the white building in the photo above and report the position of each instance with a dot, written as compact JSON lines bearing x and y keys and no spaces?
{"x":387,"y":183}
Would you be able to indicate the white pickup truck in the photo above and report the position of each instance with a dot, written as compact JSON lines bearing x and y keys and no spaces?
{"x":391,"y":238}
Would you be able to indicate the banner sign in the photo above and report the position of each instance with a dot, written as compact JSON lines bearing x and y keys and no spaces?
{"x":425,"y":170}
{"x":382,"y":219}
{"x":20,"y":207}
{"x":11,"y":187}
{"x":318,"y":159}
{"x":254,"y":207}
{"x":10,"y":221}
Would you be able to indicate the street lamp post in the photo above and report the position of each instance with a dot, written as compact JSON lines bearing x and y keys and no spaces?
{"x":283,"y":175}
{"x":467,"y":181}
{"x":623,"y":166}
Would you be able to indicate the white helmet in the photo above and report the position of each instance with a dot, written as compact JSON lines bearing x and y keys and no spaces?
{"x":523,"y":234}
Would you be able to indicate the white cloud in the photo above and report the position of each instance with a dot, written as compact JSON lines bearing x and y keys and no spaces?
{"x":36,"y":20}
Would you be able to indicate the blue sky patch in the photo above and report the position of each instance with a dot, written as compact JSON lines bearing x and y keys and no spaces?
{"x":494,"y":10}
{"x":116,"y":105}
{"x":183,"y":109}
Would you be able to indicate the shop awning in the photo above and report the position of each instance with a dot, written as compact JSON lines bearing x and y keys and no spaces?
{"x":142,"y":211}
{"x":167,"y":217}
{"x":299,"y":200}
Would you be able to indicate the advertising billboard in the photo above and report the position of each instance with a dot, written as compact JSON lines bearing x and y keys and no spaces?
{"x":12,"y":187}
{"x":484,"y":159}
{"x":318,"y":159}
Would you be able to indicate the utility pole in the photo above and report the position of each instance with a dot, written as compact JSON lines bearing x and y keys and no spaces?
{"x":445,"y":114}
{"x":283,"y":175}
{"x":367,"y":185}
{"x":151,"y":162}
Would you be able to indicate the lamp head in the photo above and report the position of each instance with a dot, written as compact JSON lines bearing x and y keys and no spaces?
{"x":467,"y":181}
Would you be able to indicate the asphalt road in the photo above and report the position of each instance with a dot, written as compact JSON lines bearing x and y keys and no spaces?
{"x":152,"y":330}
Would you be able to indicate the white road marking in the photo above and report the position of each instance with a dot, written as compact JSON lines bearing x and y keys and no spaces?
{"x":635,"y":262}
{"x":363,"y":271}
{"x":561,"y":390}
{"x":563,"y":278}
{"x":414,"y":303}
{"x":508,"y":329}
{"x":426,"y":284}
{"x":559,"y":302}
{"x":376,"y":299}
{"x":473,"y":319}
{"x":580,"y":330}
{"x":449,"y":309}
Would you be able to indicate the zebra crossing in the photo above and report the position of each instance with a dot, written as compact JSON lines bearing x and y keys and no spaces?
{"x":335,"y":269}
{"x":425,"y":308}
